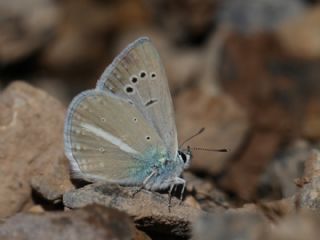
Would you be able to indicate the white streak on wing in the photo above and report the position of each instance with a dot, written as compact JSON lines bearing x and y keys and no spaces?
{"x":108,"y":137}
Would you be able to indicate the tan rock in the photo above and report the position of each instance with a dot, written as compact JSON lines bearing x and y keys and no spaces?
{"x":301,"y":37}
{"x":302,"y":225}
{"x":31,"y":147}
{"x":26,"y":26}
{"x":225,"y":124}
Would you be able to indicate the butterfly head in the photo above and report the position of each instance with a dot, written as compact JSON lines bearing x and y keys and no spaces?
{"x":185,"y":155}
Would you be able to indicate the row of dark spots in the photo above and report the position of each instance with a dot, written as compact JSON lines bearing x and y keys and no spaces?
{"x":143,"y":74}
{"x":134,"y":79}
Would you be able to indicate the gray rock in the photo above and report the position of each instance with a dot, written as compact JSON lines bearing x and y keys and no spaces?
{"x":287,"y":166}
{"x":309,"y":195}
{"x":148,"y":209}
{"x":92,"y":222}
{"x":229,"y":226}
{"x":249,"y":16}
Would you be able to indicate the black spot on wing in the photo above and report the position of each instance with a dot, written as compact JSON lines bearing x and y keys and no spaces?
{"x":150,"y":102}
{"x":129,"y":89}
{"x":143,"y":74}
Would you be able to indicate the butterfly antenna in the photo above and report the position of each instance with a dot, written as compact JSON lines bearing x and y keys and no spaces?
{"x":210,"y":150}
{"x":194,"y":135}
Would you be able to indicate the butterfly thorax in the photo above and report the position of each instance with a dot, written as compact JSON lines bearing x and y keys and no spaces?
{"x":162,"y":171}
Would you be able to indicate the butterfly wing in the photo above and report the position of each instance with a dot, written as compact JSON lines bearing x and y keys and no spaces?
{"x":107,"y":138}
{"x":138,"y":75}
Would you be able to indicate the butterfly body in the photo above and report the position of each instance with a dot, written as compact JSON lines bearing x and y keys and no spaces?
{"x":165,"y":174}
{"x":123,"y":131}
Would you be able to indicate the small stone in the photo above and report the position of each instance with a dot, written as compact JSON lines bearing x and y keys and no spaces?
{"x":309,"y":195}
{"x":36,"y":209}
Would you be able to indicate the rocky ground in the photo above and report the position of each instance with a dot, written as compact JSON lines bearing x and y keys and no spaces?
{"x":246,"y":70}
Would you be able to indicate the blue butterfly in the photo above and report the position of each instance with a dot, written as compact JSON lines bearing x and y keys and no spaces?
{"x":124,"y":131}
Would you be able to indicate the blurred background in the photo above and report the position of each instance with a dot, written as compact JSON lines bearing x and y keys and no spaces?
{"x":246,"y":70}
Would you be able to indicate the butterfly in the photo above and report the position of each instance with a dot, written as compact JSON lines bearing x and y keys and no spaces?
{"x":124,"y":131}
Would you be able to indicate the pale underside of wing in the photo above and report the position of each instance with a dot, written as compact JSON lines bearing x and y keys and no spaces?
{"x":138,"y":75}
{"x":106,"y":138}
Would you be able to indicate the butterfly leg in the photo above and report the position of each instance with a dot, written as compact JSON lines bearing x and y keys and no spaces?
{"x":172,"y":186}
{"x":183,"y":189}
{"x":180,"y":181}
{"x":176,"y":181}
{"x":145,"y":181}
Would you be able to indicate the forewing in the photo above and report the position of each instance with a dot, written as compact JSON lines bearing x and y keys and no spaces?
{"x":107,"y":138}
{"x":138,"y":75}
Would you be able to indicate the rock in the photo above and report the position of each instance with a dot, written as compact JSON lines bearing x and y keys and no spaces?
{"x":278,"y":180}
{"x":310,"y":128}
{"x":250,"y":16}
{"x":206,"y":194}
{"x":31,"y":147}
{"x":26,"y":27}
{"x":226,"y":126}
{"x":84,"y":46}
{"x":306,"y":44}
{"x":36,"y":209}
{"x":275,"y":211}
{"x":52,"y":183}
{"x":186,"y":22}
{"x":252,"y":221}
{"x":242,"y":175}
{"x":280,"y":94}
{"x":92,"y":222}
{"x":296,"y":226}
{"x":309,"y":195}
{"x":229,"y":226}
{"x":149,"y":209}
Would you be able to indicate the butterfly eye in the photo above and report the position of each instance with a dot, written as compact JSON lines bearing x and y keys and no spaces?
{"x":148,"y":138}
{"x":183,"y":156}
